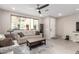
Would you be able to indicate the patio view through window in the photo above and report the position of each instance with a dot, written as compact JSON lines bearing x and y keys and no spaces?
{"x":18,"y":22}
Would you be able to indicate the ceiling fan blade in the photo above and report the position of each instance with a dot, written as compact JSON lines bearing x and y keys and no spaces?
{"x":41,"y":7}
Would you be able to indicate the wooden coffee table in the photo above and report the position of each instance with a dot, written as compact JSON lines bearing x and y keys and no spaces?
{"x":32,"y":42}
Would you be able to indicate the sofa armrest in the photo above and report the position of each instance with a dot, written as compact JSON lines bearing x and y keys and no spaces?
{"x":21,"y":40}
{"x":8,"y":48}
{"x":6,"y":42}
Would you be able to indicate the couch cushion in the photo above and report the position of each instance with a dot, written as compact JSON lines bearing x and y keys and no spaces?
{"x":6,"y":42}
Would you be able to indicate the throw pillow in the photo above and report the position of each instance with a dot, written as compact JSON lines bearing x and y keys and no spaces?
{"x":2,"y":37}
{"x":37,"y":33}
{"x":21,"y":34}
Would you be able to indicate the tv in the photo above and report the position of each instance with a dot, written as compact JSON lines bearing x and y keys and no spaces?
{"x":77,"y":26}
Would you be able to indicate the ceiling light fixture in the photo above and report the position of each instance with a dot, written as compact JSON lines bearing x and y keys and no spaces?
{"x":37,"y":10}
{"x":59,"y":14}
{"x":13,"y":8}
{"x":77,"y":9}
{"x":40,"y":15}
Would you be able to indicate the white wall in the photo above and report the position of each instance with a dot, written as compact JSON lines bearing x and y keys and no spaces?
{"x":5,"y":20}
{"x":49,"y":27}
{"x":66,"y":25}
{"x":41,"y":21}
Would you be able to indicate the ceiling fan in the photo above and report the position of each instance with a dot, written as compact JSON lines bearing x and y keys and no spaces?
{"x":41,"y":7}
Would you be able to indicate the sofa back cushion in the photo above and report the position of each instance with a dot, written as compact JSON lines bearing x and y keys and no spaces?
{"x":7,"y":35}
{"x":10,"y":36}
{"x":6,"y":42}
{"x":30,"y":32}
{"x":25,"y":32}
{"x":16,"y":36}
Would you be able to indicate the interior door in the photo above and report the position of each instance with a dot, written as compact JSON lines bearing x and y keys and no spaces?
{"x":46,"y":28}
{"x":51,"y":27}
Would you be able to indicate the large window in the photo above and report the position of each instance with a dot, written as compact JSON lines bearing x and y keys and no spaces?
{"x":24,"y":23}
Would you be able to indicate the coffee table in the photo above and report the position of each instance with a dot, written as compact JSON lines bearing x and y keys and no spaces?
{"x":32,"y":42}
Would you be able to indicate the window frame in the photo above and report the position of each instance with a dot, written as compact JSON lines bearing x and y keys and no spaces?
{"x":23,"y":17}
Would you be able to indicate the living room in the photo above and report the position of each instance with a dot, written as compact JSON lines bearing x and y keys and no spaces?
{"x":50,"y":26}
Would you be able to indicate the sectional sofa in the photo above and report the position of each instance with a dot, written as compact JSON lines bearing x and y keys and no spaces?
{"x":26,"y":35}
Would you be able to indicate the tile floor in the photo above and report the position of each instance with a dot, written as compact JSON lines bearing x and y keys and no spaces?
{"x":53,"y":46}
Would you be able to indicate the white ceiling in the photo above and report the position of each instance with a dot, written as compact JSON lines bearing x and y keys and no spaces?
{"x":53,"y":9}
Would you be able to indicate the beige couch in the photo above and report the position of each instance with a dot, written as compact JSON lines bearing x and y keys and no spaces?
{"x":21,"y":40}
{"x":29,"y":34}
